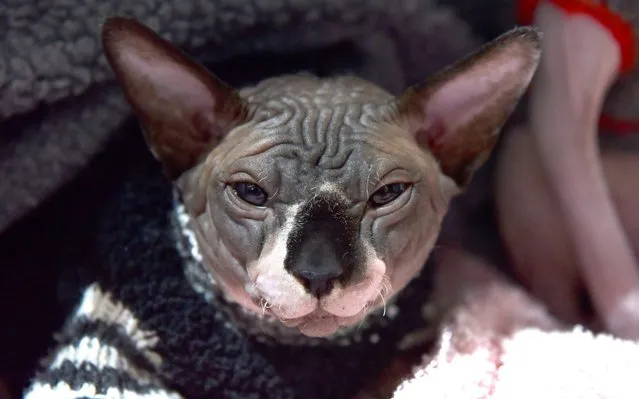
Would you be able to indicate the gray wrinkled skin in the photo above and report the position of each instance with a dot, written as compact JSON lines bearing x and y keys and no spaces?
{"x":50,"y":53}
{"x":309,"y":137}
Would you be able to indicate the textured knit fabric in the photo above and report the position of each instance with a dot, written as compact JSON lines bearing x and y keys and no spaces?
{"x":142,"y":331}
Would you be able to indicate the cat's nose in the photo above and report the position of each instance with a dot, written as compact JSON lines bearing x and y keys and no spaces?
{"x":317,"y":265}
{"x":318,"y":283}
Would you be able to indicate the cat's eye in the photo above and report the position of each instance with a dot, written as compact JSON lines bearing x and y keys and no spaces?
{"x":250,"y":193}
{"x":387,"y":194}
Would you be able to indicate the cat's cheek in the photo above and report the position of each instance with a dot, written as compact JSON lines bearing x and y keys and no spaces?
{"x":391,"y":232}
{"x":240,"y":235}
{"x":405,"y":241}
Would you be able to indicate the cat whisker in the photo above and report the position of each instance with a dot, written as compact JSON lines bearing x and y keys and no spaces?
{"x":379,"y":292}
{"x":265,"y":305}
{"x":386,"y":285}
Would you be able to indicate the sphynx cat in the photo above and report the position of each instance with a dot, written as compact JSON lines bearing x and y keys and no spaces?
{"x":309,"y":204}
{"x":315,"y":200}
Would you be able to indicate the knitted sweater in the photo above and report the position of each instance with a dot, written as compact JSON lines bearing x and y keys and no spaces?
{"x":149,"y":326}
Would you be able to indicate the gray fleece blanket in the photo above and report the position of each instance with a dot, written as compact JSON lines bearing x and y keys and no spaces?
{"x":59,"y":104}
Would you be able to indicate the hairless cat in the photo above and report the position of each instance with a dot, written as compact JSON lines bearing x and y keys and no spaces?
{"x":309,"y":196}
{"x":304,"y":206}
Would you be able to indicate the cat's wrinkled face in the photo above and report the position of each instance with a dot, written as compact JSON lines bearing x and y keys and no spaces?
{"x":319,"y":208}
{"x":316,"y":200}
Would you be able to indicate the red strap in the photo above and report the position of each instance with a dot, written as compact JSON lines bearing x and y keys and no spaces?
{"x":618,"y":127}
{"x":618,"y":27}
{"x":526,"y":11}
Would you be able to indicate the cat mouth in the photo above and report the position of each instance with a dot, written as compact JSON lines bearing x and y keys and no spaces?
{"x":321,"y":323}
{"x":290,"y":304}
{"x":318,"y":322}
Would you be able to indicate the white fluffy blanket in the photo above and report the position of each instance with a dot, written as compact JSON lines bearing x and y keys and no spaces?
{"x":498,"y":342}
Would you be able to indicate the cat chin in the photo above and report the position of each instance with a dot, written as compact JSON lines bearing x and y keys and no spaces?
{"x":319,"y":327}
{"x":324,"y":325}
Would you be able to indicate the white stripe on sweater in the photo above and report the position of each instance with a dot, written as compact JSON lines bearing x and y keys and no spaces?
{"x":97,"y":305}
{"x":62,"y":390}
{"x":90,"y":350}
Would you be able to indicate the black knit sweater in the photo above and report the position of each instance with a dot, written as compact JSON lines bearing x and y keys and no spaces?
{"x":143,"y":331}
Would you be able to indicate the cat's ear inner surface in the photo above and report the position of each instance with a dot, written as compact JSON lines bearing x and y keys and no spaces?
{"x":184,"y":110}
{"x":458,"y":114}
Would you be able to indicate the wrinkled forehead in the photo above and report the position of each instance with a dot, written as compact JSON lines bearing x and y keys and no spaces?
{"x":297,"y":162}
{"x":308,"y":133}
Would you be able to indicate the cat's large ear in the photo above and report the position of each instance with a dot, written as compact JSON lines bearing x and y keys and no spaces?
{"x":458,"y":114}
{"x":184,"y":110}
